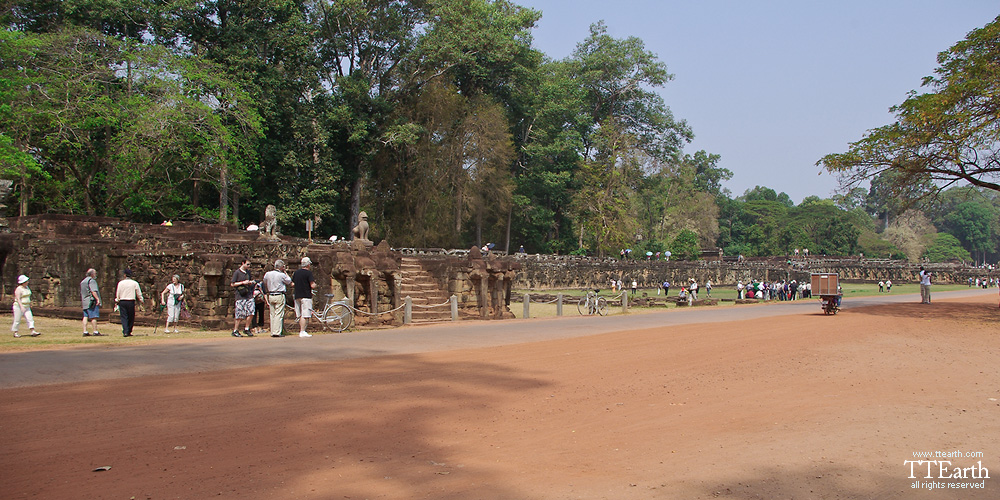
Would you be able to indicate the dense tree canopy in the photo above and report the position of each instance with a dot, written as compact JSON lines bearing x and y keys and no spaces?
{"x":441,"y":120}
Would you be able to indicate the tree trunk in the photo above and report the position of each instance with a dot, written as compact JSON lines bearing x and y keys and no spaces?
{"x":355,"y":204}
{"x":236,"y":208}
{"x":458,"y":213}
{"x":510,"y":217}
{"x":24,"y":196}
{"x":223,"y":195}
{"x":479,"y":228}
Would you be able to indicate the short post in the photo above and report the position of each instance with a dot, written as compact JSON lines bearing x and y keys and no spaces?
{"x":527,"y":306}
{"x":454,"y":308}
{"x":407,"y":310}
{"x":559,"y":298}
{"x":624,"y":302}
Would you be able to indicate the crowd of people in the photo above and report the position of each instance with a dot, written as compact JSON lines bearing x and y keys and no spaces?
{"x":252,"y":299}
{"x":775,"y":290}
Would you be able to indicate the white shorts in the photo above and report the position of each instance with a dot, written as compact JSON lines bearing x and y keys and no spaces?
{"x":303,"y":308}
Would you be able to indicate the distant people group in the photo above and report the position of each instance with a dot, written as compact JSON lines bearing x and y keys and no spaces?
{"x":777,"y":290}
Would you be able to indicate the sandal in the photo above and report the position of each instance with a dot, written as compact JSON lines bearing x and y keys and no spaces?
{"x":35,"y":334}
{"x":17,"y":335}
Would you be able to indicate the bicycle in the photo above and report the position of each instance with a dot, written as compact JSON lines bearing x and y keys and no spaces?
{"x":592,"y":304}
{"x":337,"y":315}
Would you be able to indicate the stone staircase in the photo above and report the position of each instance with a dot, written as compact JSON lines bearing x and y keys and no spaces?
{"x":425,"y":291}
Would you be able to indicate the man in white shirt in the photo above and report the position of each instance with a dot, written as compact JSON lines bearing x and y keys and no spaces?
{"x":274,"y":283}
{"x":925,"y":286}
{"x":127,"y":295}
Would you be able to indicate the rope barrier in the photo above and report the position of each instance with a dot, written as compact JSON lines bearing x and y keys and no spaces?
{"x":433,"y":306}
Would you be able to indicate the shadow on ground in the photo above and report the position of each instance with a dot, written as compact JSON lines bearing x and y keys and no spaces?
{"x":368,"y":428}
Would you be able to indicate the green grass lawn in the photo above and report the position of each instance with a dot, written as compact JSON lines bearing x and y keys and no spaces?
{"x":726,"y":294}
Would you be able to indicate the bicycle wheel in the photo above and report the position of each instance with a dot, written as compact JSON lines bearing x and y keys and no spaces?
{"x":602,"y":306}
{"x":324,"y":317}
{"x":582,"y":307}
{"x":339,"y":317}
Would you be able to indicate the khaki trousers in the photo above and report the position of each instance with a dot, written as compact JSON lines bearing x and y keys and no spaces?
{"x":277,"y":303}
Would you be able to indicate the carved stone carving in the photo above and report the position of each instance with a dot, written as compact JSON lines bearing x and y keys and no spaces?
{"x":361,"y":230}
{"x":269,"y":228}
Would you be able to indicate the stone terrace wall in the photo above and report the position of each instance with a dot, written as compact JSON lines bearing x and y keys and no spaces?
{"x":55,"y":251}
{"x":541,"y":272}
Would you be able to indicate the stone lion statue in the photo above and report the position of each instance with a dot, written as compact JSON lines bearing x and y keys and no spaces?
{"x":270,"y":225}
{"x":361,"y":230}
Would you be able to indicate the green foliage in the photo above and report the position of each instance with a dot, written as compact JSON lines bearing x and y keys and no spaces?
{"x":441,"y":120}
{"x":946,"y":136}
{"x":874,"y":246}
{"x":110,"y":120}
{"x":975,"y":225}
{"x":945,"y":248}
{"x":685,"y":246}
{"x":629,"y":128}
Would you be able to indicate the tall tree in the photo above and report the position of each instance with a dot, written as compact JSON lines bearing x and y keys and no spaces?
{"x":629,"y":127}
{"x":120,"y":124}
{"x":942,"y":137}
{"x":976,"y":226}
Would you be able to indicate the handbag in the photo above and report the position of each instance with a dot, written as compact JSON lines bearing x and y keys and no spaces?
{"x":184,"y":313}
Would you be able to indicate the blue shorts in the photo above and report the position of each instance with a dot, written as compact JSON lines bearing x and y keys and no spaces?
{"x":92,"y":313}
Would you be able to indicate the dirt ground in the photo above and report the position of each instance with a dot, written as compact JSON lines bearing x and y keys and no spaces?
{"x":797,"y":406}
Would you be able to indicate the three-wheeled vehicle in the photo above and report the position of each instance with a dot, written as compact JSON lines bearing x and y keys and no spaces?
{"x":827,"y":286}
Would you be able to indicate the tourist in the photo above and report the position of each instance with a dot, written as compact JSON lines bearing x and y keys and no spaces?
{"x":666,"y":288}
{"x":888,"y":286}
{"x":708,"y":287}
{"x":881,"y":286}
{"x":925,"y":286}
{"x":274,"y":283}
{"x":692,"y":290}
{"x":22,"y":307}
{"x":259,"y":305}
{"x":126,"y":296}
{"x":171,"y":296}
{"x":91,"y":298}
{"x":243,"y":298}
{"x":635,"y":286}
{"x":740,"y":290}
{"x":304,"y":283}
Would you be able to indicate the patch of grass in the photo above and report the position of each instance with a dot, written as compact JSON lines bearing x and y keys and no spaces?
{"x":62,"y":333}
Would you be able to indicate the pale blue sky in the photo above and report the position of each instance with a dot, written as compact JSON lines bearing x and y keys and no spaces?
{"x":773,"y":86}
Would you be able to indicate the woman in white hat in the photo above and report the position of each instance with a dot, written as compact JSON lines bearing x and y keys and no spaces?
{"x":22,"y":307}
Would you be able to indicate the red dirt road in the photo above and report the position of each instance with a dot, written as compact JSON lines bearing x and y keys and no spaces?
{"x":798,"y":406}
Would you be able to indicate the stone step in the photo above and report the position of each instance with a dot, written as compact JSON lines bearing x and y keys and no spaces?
{"x":423,"y":290}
